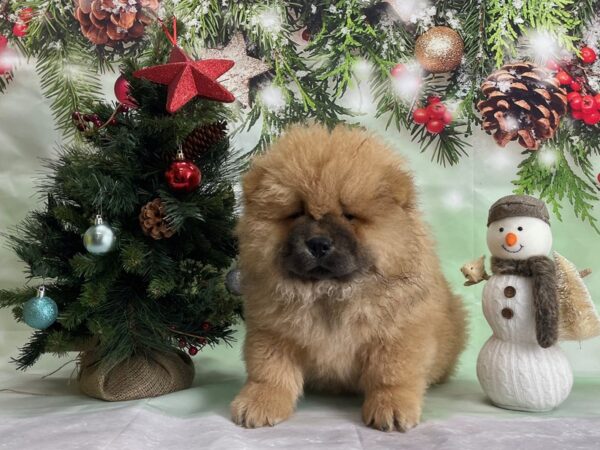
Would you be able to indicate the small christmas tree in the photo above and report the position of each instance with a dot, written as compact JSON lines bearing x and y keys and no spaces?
{"x":133,"y":243}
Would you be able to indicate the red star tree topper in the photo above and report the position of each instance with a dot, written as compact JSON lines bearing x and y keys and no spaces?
{"x":188,"y":78}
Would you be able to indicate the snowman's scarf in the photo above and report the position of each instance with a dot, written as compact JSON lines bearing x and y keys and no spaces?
{"x":545,"y":294}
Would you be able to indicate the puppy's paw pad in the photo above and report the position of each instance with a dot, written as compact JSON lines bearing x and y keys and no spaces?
{"x":255,"y":407}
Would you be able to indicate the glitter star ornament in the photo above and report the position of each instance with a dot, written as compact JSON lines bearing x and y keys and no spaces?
{"x":237,"y":80}
{"x":187,"y":78}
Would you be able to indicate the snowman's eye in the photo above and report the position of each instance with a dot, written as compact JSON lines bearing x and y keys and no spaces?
{"x":520,"y":228}
{"x":501,"y":230}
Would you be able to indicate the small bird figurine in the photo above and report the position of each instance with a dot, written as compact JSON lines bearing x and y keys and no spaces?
{"x":474,"y":271}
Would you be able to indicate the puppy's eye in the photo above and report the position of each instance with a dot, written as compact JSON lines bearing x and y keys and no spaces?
{"x":349,"y":216}
{"x":295,"y":215}
{"x":520,"y":228}
{"x":501,"y":230}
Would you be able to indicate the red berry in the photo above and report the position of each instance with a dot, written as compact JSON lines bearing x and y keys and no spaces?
{"x":597,"y":100}
{"x":26,"y":14}
{"x":206,"y":326}
{"x":181,"y":343}
{"x":76,"y":116}
{"x":592,"y":118}
{"x":123,"y":108}
{"x":306,"y":34}
{"x":3,"y":42}
{"x":447,"y":119}
{"x":575,"y":86}
{"x":433,"y":99}
{"x":436,"y":110}
{"x":88,"y":117}
{"x":577,"y":115}
{"x":113,"y":121}
{"x":588,"y":55}
{"x":420,"y":115}
{"x":201,"y":340}
{"x":193,"y":351}
{"x":598,"y":178}
{"x":576,"y":103}
{"x":551,"y":64}
{"x":588,"y":104}
{"x":397,"y":70}
{"x":20,"y":29}
{"x":563,"y":77}
{"x":435,"y":126}
{"x":572,"y":95}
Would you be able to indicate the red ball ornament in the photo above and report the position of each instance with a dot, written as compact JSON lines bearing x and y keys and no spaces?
{"x":588,"y":55}
{"x":397,"y":70}
{"x":435,"y":126}
{"x":122,"y":92}
{"x":20,"y":29}
{"x":193,"y":351}
{"x":563,"y":77}
{"x":420,"y":116}
{"x":183,"y":176}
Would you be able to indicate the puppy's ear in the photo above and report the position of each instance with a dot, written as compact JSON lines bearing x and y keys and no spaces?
{"x":252,"y":181}
{"x":402,"y":186}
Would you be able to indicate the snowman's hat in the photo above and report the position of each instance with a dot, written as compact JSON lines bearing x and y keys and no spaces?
{"x":518,"y":206}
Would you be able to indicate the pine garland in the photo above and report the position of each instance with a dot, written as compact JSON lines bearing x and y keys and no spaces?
{"x":312,"y":76}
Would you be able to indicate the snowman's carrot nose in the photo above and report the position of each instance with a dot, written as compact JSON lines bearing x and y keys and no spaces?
{"x":511,"y":239}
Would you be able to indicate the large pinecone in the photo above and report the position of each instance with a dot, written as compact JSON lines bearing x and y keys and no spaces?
{"x":107,"y":22}
{"x":153,"y":222}
{"x":202,"y":138}
{"x":523,"y":102}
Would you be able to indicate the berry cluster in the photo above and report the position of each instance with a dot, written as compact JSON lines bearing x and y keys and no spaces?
{"x":435,"y":116}
{"x":193,"y":344}
{"x":584,"y":105}
{"x":88,"y":123}
{"x":22,"y":24}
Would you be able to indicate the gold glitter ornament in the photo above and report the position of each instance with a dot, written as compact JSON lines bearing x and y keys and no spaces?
{"x":439,"y":49}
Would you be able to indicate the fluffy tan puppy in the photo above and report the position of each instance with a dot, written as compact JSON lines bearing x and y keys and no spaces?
{"x":342,"y":286}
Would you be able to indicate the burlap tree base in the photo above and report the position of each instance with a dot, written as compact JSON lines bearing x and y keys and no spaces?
{"x":138,"y":377}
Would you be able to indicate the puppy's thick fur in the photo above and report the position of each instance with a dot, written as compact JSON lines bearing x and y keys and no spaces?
{"x":374,"y":315}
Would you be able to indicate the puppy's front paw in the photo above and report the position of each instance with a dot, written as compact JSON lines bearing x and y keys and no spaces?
{"x":392,"y":409}
{"x":259,"y":405}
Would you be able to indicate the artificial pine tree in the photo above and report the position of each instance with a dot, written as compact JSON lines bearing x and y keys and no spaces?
{"x":129,"y":299}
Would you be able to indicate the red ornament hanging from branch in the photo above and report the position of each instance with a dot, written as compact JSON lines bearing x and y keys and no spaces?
{"x":187,"y":78}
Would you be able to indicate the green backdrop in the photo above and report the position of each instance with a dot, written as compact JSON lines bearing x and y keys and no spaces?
{"x":455,"y":201}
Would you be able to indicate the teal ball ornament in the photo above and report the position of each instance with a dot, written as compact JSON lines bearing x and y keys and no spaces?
{"x":99,"y":238}
{"x":40,"y":312}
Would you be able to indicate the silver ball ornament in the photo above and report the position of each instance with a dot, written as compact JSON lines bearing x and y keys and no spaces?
{"x":233,"y":282}
{"x":99,"y":238}
{"x":40,"y":312}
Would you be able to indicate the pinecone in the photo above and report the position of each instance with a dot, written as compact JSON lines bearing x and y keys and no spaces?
{"x":523,"y":102}
{"x":106,"y":22}
{"x":202,"y":138}
{"x":152,"y":220}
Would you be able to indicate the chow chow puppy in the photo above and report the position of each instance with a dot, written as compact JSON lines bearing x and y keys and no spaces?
{"x":342,"y":286}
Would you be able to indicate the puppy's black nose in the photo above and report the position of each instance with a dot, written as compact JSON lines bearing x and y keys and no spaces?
{"x":319,"y":246}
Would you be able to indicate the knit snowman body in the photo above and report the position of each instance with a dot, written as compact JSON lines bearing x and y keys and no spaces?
{"x":514,"y":370}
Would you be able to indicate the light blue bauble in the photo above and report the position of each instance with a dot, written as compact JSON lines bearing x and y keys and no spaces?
{"x":40,"y":312}
{"x":99,"y":238}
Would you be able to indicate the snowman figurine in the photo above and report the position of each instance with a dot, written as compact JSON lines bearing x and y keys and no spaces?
{"x":521,"y":367}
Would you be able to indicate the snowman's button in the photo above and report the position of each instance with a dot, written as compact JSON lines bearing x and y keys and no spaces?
{"x":507,"y":313}
{"x":510,"y":292}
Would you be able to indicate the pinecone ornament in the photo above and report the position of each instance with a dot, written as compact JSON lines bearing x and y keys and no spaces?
{"x":153,"y":222}
{"x":202,"y":138}
{"x":523,"y":102}
{"x":108,"y":22}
